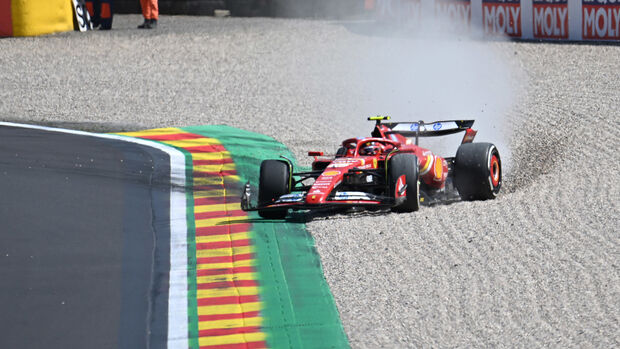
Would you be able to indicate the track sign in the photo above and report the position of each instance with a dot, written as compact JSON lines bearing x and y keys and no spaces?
{"x":601,"y":19}
{"x":457,"y":11}
{"x":501,"y":17}
{"x":81,"y":21}
{"x":399,"y":10}
{"x":550,"y":19}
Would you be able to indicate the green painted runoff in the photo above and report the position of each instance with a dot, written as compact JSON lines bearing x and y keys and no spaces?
{"x":299,"y":309}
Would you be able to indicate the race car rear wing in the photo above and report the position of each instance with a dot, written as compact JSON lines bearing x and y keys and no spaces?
{"x":422,"y":129}
{"x":428,"y":129}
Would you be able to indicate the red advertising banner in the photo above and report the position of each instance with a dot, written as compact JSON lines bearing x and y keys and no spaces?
{"x":457,"y":11}
{"x":501,"y":17}
{"x":601,"y":19}
{"x":550,"y":19}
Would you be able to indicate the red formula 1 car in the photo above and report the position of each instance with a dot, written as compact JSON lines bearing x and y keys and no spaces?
{"x":388,"y":169}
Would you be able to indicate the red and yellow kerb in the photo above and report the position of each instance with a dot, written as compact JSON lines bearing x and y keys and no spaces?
{"x":227,"y":295}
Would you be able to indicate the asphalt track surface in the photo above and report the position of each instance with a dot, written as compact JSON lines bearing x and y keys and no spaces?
{"x":79,"y":219}
{"x":538,"y":267}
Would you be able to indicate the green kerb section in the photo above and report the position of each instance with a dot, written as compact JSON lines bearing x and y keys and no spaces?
{"x":299,"y":309}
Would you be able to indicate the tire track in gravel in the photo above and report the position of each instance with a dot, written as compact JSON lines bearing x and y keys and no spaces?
{"x":557,"y":253}
{"x":547,"y":247}
{"x":478,"y":270}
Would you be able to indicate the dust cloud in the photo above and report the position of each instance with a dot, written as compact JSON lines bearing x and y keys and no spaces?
{"x":431,"y":70}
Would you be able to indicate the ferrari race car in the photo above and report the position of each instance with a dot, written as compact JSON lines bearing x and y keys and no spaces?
{"x":387,"y":170}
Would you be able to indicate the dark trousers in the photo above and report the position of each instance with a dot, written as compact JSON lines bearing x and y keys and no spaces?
{"x":101,"y":13}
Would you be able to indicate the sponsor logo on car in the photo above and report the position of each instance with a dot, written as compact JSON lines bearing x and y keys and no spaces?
{"x":331,"y":173}
{"x":294,"y":197}
{"x":351,"y":195}
{"x":319,"y":184}
{"x":437,"y":126}
{"x":400,"y":187}
{"x":344,"y":161}
{"x":338,"y":165}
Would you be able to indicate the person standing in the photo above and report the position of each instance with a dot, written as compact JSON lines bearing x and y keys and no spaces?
{"x":150,"y":11}
{"x":101,"y":14}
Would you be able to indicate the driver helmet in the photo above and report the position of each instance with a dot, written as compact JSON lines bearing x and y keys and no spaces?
{"x":372,"y":148}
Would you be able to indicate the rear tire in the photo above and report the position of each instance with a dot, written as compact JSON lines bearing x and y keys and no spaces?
{"x":477,"y":171}
{"x":405,"y":164}
{"x":273,"y":183}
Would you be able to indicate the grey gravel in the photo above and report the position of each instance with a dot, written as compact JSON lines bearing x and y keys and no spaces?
{"x":537,"y":267}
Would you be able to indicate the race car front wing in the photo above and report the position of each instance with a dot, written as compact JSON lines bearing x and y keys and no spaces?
{"x":297,"y":200}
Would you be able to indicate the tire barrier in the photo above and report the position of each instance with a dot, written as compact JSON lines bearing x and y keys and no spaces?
{"x":573,"y":20}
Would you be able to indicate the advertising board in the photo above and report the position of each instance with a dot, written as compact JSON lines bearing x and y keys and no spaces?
{"x":596,"y":20}
{"x":458,"y":12}
{"x":550,"y":19}
{"x":501,"y":17}
{"x":601,"y":19}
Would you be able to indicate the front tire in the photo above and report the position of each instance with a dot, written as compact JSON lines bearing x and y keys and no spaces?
{"x":274,"y":182}
{"x":477,"y":171}
{"x":404,"y":165}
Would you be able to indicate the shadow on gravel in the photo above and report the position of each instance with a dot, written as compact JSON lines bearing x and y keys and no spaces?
{"x":333,"y":214}
{"x":348,"y":213}
{"x":308,"y":216}
{"x":329,"y":213}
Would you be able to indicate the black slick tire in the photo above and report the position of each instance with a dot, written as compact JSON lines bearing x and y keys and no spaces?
{"x":407,"y":165}
{"x":477,"y":171}
{"x":274,"y":182}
